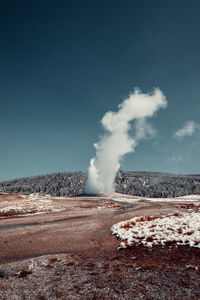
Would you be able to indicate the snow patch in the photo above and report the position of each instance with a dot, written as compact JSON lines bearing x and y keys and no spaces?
{"x":27,"y":205}
{"x":179,"y":229}
{"x":133,"y":199}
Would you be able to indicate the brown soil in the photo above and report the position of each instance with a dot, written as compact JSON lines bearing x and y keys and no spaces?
{"x":71,"y":254}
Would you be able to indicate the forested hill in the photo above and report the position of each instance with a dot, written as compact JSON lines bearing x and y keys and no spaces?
{"x":152,"y":184}
{"x":58,"y":184}
{"x":132,"y":183}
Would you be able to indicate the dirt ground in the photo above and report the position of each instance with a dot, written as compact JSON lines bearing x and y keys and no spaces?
{"x":62,"y":248}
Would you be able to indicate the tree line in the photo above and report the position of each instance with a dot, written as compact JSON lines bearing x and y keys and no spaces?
{"x":145,"y":184}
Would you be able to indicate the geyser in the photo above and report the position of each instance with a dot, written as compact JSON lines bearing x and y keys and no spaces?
{"x":117,"y":141}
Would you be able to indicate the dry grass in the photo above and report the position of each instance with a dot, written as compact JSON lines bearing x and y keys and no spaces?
{"x":130,"y":224}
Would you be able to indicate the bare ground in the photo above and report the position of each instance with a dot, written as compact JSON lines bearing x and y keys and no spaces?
{"x":71,"y":254}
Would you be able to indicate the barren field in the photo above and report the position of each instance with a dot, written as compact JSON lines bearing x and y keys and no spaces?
{"x":63,"y":248}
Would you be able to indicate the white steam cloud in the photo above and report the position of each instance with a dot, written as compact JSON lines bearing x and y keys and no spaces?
{"x":188,"y":129}
{"x":117,"y":141}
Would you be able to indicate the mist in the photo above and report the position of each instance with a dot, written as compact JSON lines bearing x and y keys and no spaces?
{"x":118,"y":138}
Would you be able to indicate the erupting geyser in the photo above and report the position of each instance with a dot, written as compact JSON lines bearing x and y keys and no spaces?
{"x":116,"y":141}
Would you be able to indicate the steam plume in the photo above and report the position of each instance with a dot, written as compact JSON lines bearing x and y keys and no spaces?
{"x":116,"y":141}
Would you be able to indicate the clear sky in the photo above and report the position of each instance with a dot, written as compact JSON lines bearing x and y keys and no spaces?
{"x":64,"y":64}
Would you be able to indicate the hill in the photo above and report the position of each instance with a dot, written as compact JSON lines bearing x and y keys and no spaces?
{"x":148,"y":184}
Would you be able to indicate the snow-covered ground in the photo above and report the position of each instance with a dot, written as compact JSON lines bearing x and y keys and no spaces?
{"x":179,"y":228}
{"x":133,"y":199}
{"x":25,"y":205}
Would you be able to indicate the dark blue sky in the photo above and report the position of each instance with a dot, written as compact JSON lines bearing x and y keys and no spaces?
{"x":65,"y":63}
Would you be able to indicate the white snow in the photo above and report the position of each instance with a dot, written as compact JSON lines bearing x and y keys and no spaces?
{"x":124,"y":198}
{"x":180,"y":228}
{"x":133,"y":199}
{"x":27,"y":205}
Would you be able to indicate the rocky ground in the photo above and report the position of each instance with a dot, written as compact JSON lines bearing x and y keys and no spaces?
{"x":68,"y":251}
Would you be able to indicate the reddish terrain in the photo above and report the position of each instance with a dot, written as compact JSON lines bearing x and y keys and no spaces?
{"x":62,"y":248}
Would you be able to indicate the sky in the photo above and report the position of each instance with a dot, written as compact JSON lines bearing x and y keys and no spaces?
{"x":64,"y":64}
